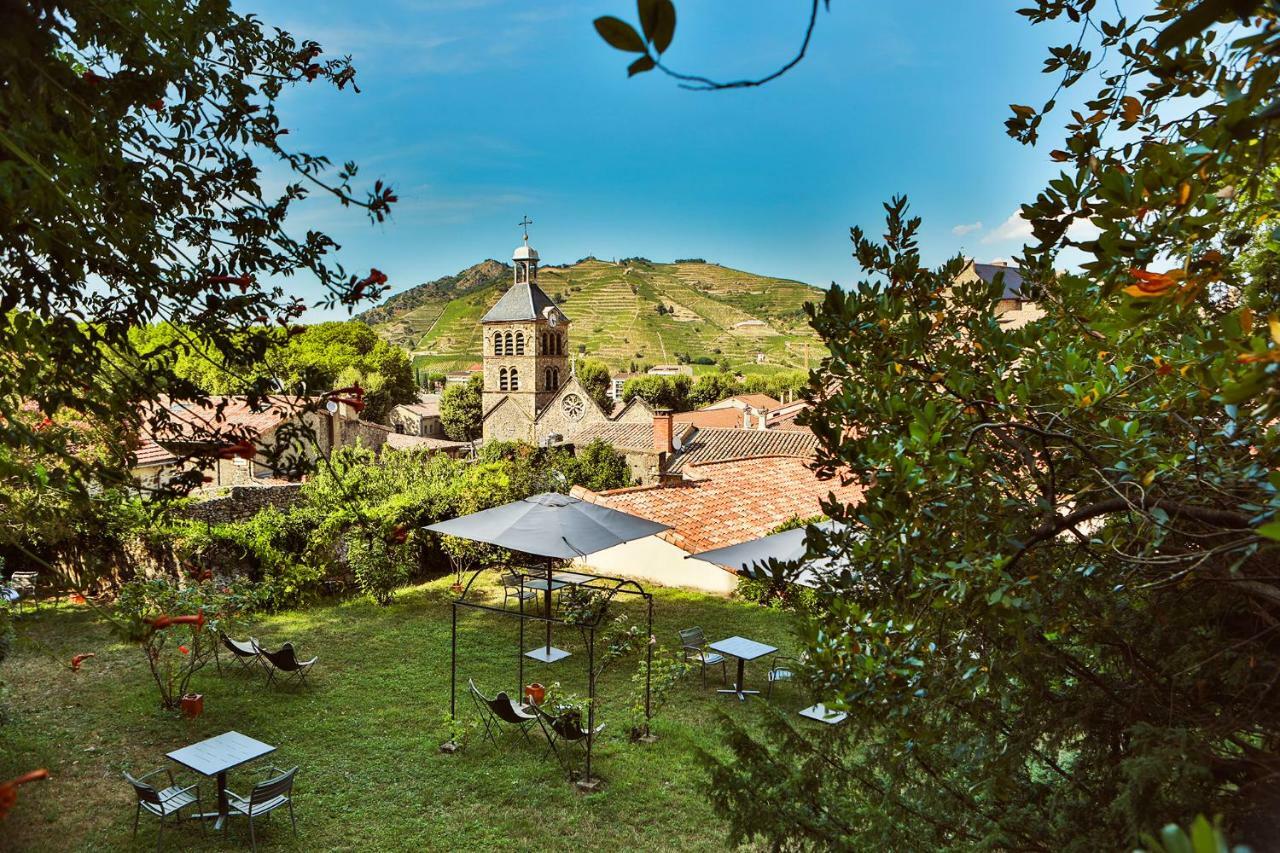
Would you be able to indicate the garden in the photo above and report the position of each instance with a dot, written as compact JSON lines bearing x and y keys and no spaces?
{"x":366,"y":729}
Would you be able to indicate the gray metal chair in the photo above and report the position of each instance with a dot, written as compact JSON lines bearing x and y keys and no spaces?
{"x":783,"y":669}
{"x":162,"y":802}
{"x":285,"y":661}
{"x":694,"y":644}
{"x":266,"y":796}
{"x":246,"y":654}
{"x":501,"y":709}
{"x":513,"y":587}
{"x":23,"y":584}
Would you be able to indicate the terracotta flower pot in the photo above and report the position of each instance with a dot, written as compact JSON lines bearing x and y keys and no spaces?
{"x":192,"y":704}
{"x":457,"y":589}
{"x":535,"y":693}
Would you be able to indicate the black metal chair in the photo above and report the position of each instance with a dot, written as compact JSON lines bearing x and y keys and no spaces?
{"x":266,"y":796}
{"x":498,"y":710}
{"x":513,"y":587}
{"x":284,"y":660}
{"x":246,"y":654}
{"x":162,"y":802}
{"x":566,"y":729}
{"x":694,"y":644}
{"x":23,"y":585}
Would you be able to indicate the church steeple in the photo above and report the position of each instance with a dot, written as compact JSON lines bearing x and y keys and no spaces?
{"x":525,"y":258}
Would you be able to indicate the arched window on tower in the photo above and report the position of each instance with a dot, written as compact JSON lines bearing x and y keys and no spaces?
{"x":515,"y":379}
{"x":502,"y":380}
{"x":559,"y":345}
{"x":546,"y":380}
{"x":543,"y":349}
{"x":519,"y":343}
{"x":555,"y":377}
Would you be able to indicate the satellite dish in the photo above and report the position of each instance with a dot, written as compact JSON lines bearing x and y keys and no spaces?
{"x":332,"y":407}
{"x":676,"y":443}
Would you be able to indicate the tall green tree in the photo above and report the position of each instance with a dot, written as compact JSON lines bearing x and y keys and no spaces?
{"x":462,"y":410}
{"x":131,"y":154}
{"x":595,"y":378}
{"x":1059,"y":630}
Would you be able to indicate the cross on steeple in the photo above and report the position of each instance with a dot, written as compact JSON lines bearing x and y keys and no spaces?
{"x":524,"y":223}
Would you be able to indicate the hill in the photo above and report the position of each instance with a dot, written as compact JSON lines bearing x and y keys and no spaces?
{"x":631,"y":311}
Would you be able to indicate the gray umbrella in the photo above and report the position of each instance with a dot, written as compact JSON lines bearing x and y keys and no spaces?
{"x":753,"y":557}
{"x":550,"y":525}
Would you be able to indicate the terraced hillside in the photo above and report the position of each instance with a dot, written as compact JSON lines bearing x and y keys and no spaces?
{"x":707,"y":310}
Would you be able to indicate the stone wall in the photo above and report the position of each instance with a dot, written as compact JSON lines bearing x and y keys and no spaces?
{"x":242,"y":502}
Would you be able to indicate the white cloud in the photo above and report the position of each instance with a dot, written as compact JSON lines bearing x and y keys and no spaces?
{"x":961,"y":230}
{"x":1013,"y":228}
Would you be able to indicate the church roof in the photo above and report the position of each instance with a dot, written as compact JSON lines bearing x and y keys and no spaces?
{"x":524,"y":301}
{"x":1012,"y":278}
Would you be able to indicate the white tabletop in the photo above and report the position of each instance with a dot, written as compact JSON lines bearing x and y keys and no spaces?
{"x":541,"y":583}
{"x":823,"y":714}
{"x":742,"y":648}
{"x":219,"y":754}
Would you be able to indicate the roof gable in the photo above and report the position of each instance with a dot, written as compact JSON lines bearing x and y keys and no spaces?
{"x":522,"y":301}
{"x":1012,"y":278}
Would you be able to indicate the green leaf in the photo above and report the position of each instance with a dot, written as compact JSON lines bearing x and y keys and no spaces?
{"x":641,"y":65}
{"x":664,"y":27}
{"x":619,"y":34}
{"x":1271,"y":530}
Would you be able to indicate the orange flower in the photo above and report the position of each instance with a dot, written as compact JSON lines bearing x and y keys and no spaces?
{"x":9,"y":790}
{"x":1153,"y":284}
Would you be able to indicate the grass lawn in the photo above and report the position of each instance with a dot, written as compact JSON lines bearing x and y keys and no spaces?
{"x":365,"y":733}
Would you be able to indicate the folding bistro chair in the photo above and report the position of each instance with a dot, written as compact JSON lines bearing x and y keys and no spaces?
{"x":499,"y":710}
{"x":246,"y":654}
{"x":266,"y":796}
{"x":694,"y":644}
{"x":564,"y":729}
{"x":513,"y":588}
{"x":285,"y":661}
{"x":162,"y":802}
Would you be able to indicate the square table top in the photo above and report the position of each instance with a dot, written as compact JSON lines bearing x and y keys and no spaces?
{"x":823,"y":714}
{"x":219,"y":754}
{"x":742,"y":648}
{"x":574,"y":577}
{"x":541,"y":583}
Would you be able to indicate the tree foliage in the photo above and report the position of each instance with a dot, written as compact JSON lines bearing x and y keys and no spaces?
{"x":461,"y":410}
{"x":130,"y":193}
{"x":1061,"y":628}
{"x":595,"y":379}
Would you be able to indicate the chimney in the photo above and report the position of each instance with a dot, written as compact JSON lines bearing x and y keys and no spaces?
{"x":662,"y":438}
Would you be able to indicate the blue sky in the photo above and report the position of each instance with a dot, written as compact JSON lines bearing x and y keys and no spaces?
{"x":480,"y":111}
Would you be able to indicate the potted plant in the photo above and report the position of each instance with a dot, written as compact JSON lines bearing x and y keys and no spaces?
{"x":192,"y":704}
{"x":535,"y":693}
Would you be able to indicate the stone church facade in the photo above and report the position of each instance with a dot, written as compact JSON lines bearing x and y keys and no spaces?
{"x":530,"y":392}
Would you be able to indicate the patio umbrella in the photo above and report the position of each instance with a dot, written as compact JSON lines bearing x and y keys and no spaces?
{"x":551,"y":525}
{"x":753,"y":557}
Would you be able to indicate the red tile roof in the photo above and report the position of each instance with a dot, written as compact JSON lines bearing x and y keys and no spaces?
{"x":191,"y":420}
{"x":726,"y":418}
{"x":428,"y":409}
{"x":731,"y":502}
{"x":755,"y":401}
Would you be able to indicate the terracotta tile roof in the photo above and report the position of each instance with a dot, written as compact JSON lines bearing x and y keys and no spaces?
{"x":733,"y":501}
{"x":719,"y":445}
{"x":755,"y":401}
{"x":624,"y":436}
{"x":423,"y":409}
{"x":727,"y":418}
{"x":399,"y":441}
{"x":189,"y":419}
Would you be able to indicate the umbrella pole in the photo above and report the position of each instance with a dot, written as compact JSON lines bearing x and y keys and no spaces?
{"x":520,"y":649}
{"x":453,"y":666}
{"x":548,"y":600}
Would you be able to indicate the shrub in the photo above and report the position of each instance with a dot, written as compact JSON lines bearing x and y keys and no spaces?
{"x":379,"y":566}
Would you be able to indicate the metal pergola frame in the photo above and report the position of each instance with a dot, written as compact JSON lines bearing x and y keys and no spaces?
{"x":618,"y":585}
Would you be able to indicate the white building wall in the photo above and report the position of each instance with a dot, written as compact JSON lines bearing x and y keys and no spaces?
{"x":654,"y":560}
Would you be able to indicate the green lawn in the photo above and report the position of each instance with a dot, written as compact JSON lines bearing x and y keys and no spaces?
{"x":365,"y":733}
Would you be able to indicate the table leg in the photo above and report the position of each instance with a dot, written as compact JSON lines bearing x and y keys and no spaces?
{"x":738,"y":688}
{"x":223,"y":808}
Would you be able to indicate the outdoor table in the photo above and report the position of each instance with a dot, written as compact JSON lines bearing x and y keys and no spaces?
{"x":573,"y":578}
{"x":744,"y":650}
{"x":823,"y":714}
{"x":214,"y":757}
{"x":547,"y":653}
